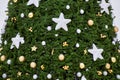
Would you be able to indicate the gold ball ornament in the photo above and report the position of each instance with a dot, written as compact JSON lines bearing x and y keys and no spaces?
{"x":30,"y":15}
{"x":107,"y":66}
{"x":113,"y":59}
{"x":15,"y":1}
{"x":116,"y":29}
{"x":61,"y":57}
{"x":33,"y":65}
{"x":21,"y":58}
{"x":82,"y":65}
{"x":8,"y":79}
{"x":2,"y":58}
{"x":90,"y":22}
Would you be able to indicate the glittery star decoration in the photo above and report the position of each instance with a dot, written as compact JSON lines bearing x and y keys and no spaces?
{"x":16,"y":41}
{"x":96,"y":52}
{"x":61,"y":22}
{"x":35,"y":2}
{"x":104,"y":6}
{"x":34,"y":48}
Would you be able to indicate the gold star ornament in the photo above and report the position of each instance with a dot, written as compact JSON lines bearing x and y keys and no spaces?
{"x":34,"y":48}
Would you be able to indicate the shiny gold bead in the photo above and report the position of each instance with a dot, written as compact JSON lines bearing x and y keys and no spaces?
{"x":116,"y":29}
{"x":8,"y":79}
{"x":33,"y":65}
{"x":99,"y":73}
{"x":2,"y":58}
{"x":82,"y":65}
{"x":118,"y":50}
{"x":21,"y":58}
{"x":30,"y":15}
{"x":19,"y":74}
{"x":107,"y":66}
{"x":15,"y":1}
{"x":113,"y":59}
{"x":61,"y":57}
{"x":90,"y":22}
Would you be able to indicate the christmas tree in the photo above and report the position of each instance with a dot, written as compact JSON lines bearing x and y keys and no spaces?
{"x":59,"y":40}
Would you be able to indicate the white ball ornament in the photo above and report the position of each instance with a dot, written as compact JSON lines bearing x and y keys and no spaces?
{"x":22,"y":15}
{"x":86,"y":0}
{"x":4,"y":75}
{"x":56,"y":35}
{"x":79,"y":74}
{"x":77,"y":45}
{"x":35,"y":76}
{"x":49,"y":28}
{"x":67,"y":6}
{"x":8,"y":61}
{"x":43,"y":43}
{"x":105,"y":73}
{"x":81,"y":11}
{"x":49,"y":76}
{"x":78,"y":31}
{"x":118,"y":76}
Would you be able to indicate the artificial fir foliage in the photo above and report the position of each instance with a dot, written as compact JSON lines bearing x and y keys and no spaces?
{"x":59,"y":40}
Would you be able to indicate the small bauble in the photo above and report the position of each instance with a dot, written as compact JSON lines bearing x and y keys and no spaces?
{"x":4,"y":75}
{"x":35,"y":76}
{"x":113,"y":59}
{"x":116,"y":29}
{"x":86,"y":0}
{"x":8,"y":61}
{"x":2,"y":58}
{"x":15,"y":1}
{"x":82,"y":65}
{"x":105,"y":73}
{"x":30,"y":15}
{"x":8,"y":79}
{"x":79,"y":74}
{"x":21,"y":58}
{"x":61,"y":57}
{"x":67,"y":6}
{"x":90,"y":22}
{"x":43,"y":43}
{"x":49,"y":76}
{"x":77,"y":45}
{"x":118,"y":76}
{"x":107,"y":66}
{"x":49,"y":28}
{"x":81,"y":11}
{"x":22,"y":15}
{"x":33,"y":65}
{"x":78,"y":31}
